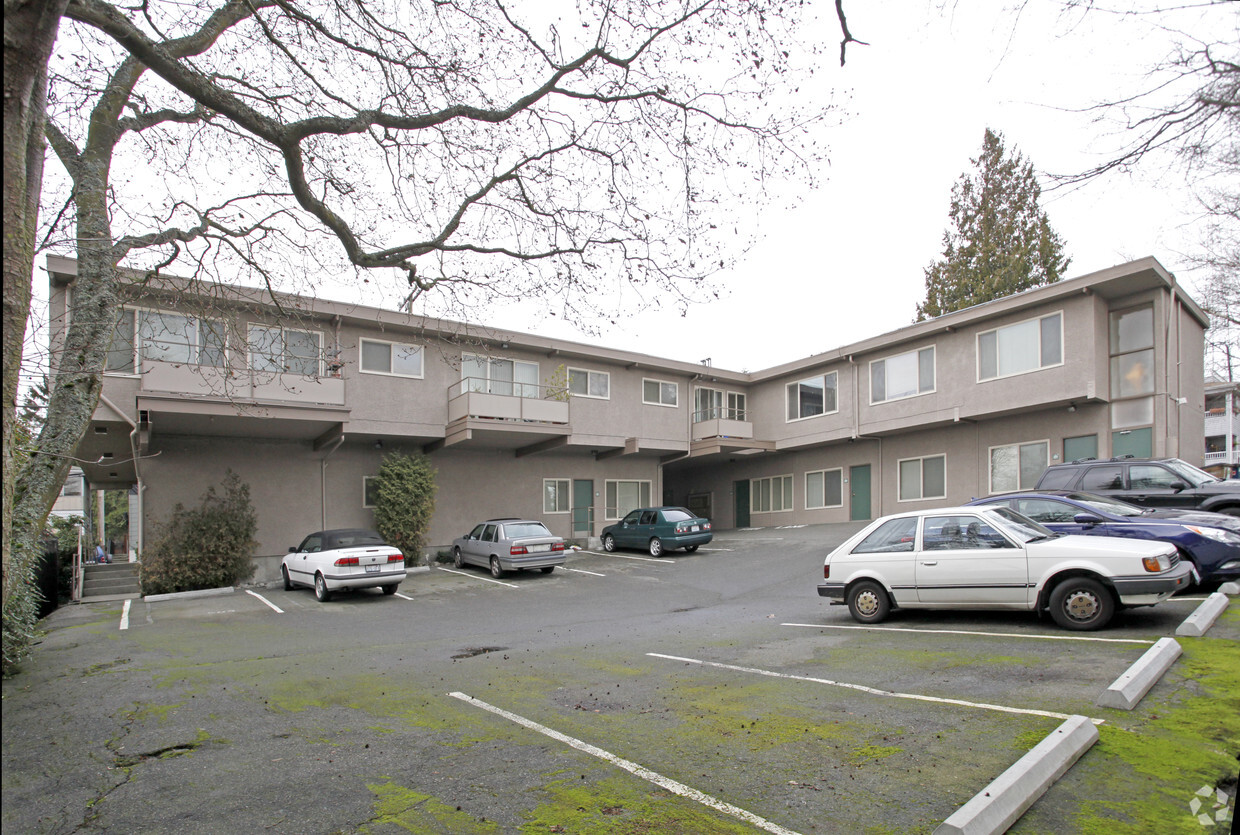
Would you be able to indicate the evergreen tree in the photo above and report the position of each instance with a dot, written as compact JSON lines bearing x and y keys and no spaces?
{"x":1000,"y":241}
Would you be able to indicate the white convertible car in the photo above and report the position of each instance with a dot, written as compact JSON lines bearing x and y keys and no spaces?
{"x":996,"y":558}
{"x":329,"y":561}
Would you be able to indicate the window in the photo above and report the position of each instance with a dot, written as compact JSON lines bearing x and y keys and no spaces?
{"x":556,"y":495}
{"x":1047,"y":510}
{"x":812,"y":397}
{"x":902,"y":376}
{"x":1152,"y":477}
{"x":1109,"y":477}
{"x":770,"y":494}
{"x":1017,"y":466}
{"x":660,"y":393}
{"x":284,"y":351}
{"x":824,"y":488}
{"x":709,"y":404}
{"x":370,"y":491}
{"x":73,"y":484}
{"x":624,"y":496}
{"x":1024,"y":346}
{"x":923,"y":478}
{"x":156,"y":336}
{"x":396,"y":358}
{"x":1132,"y":369}
{"x":1082,"y":446}
{"x":589,"y":383}
{"x":500,"y":376}
{"x":960,"y":533}
{"x":891,"y":536}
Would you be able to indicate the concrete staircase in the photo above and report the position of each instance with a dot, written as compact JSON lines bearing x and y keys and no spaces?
{"x":118,"y":581}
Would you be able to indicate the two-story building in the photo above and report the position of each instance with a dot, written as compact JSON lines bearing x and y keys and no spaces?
{"x":1222,"y":428}
{"x":303,"y":397}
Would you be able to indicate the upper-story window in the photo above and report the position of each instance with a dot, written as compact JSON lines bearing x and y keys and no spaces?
{"x":660,"y":392}
{"x":904,"y":375}
{"x":716,"y":404}
{"x":396,"y":358}
{"x":159,"y":336}
{"x":584,"y":383}
{"x":513,"y":378}
{"x":812,"y":397}
{"x":1024,"y":346}
{"x":285,"y":351}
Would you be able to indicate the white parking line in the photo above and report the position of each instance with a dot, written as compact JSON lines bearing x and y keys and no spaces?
{"x":125,"y":615}
{"x":631,"y":767}
{"x":716,"y":549}
{"x":582,"y":571}
{"x":967,"y":632}
{"x":476,"y":577}
{"x":874,"y":691}
{"x":265,"y":600}
{"x":625,"y":556}
{"x":402,"y":597}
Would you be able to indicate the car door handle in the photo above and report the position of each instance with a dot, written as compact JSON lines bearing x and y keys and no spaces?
{"x":936,"y":562}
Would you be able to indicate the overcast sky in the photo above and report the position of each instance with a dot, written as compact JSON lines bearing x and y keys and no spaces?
{"x":847,"y":263}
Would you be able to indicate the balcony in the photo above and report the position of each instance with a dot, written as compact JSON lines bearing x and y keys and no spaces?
{"x":504,"y":414}
{"x":726,"y":424}
{"x":240,"y":384}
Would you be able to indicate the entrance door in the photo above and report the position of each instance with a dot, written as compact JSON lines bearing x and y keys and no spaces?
{"x":740,"y":489}
{"x":583,"y":507}
{"x":859,"y":493}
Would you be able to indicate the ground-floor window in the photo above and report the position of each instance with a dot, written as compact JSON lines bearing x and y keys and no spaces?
{"x":370,"y":490}
{"x":824,"y":488}
{"x":923,"y":478}
{"x":623,"y":496}
{"x":1017,"y":466}
{"x":770,"y":494}
{"x":557,"y":495}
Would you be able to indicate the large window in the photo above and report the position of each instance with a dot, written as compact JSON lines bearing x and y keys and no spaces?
{"x":152,"y":335}
{"x":1017,"y":466}
{"x":770,"y":494}
{"x":623,"y":496}
{"x":923,"y":478}
{"x":1024,"y":346}
{"x":660,"y":392}
{"x":812,"y":397}
{"x":714,"y":404}
{"x":905,"y":375}
{"x":584,"y":383}
{"x":285,"y":351}
{"x":396,"y":358}
{"x":500,"y":376}
{"x":824,"y":488}
{"x":1132,"y":379}
{"x":557,"y":493}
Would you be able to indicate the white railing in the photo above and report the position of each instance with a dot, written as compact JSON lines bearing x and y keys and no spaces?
{"x":502,"y":400}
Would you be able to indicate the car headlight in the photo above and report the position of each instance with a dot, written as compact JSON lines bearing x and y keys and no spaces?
{"x":1162,"y":562}
{"x":1217,"y":534}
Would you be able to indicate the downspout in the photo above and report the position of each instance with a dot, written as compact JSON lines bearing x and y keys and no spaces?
{"x":856,"y":434}
{"x":335,"y":445}
{"x":137,"y":472}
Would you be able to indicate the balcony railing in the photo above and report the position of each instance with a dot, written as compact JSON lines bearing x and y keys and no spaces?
{"x":507,"y":400}
{"x":721,"y":423}
{"x":240,"y":384}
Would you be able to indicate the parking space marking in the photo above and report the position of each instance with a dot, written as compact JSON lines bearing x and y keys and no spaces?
{"x":631,"y":767}
{"x":403,"y":597}
{"x":476,"y":577}
{"x":967,"y":632}
{"x":874,"y":691}
{"x":125,"y":615}
{"x":626,"y":556}
{"x":265,"y":600}
{"x":582,"y":571}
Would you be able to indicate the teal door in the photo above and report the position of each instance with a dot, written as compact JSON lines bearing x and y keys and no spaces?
{"x":583,"y":507}
{"x":740,"y":489}
{"x":859,"y":493}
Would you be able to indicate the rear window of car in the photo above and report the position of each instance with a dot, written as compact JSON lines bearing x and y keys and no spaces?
{"x":892,"y":535}
{"x":1056,"y":479}
{"x":677,"y":514}
{"x":353,"y":539}
{"x":525,"y":529}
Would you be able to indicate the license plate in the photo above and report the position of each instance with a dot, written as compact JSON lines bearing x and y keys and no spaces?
{"x":373,"y":569}
{"x":538,"y":549}
{"x":695,"y":529}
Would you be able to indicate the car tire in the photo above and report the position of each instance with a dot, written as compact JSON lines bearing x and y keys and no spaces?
{"x":1082,"y":604}
{"x":458,"y":561}
{"x":547,"y":569}
{"x":609,"y":543}
{"x":656,"y":547}
{"x":689,"y":549}
{"x":288,"y":584}
{"x":868,"y":602}
{"x":390,"y":589}
{"x":497,"y":570}
{"x":321,"y":592}
{"x":1233,"y":510}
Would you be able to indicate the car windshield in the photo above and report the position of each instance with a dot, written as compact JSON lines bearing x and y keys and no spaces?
{"x":1021,"y":526}
{"x":1107,"y":505}
{"x":1190,"y":473}
{"x":524,"y":529}
{"x":676,"y":514}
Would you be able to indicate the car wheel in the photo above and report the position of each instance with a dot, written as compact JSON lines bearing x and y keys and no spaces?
{"x":288,"y":584}
{"x":389,"y":590}
{"x":321,"y":591}
{"x":609,"y":543}
{"x":1234,"y":510}
{"x":868,"y":602}
{"x":656,"y":547}
{"x":547,"y":569}
{"x":497,"y":570}
{"x":457,"y":560}
{"x":689,"y":549}
{"x":1080,"y":604}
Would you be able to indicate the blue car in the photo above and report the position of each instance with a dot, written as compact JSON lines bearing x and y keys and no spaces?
{"x":1209,"y":541}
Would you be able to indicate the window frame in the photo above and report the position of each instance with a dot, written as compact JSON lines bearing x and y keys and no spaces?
{"x":251,"y":353}
{"x":590,"y":375}
{"x":566,"y":493}
{"x":611,"y":496}
{"x":366,"y":482}
{"x":196,"y":347}
{"x":1018,"y":447}
{"x":392,"y":345}
{"x":833,"y":388}
{"x":660,"y":384}
{"x":840,"y":472}
{"x":787,"y":497}
{"x":1039,"y":367}
{"x":922,"y":478}
{"x":916,"y":352}
{"x":518,"y":388}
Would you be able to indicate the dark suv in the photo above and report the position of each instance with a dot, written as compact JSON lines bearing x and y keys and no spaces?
{"x":1164,"y":482}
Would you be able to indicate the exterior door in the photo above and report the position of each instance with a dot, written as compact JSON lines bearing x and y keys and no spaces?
{"x":740,"y":489}
{"x":859,"y":493}
{"x":583,"y":507}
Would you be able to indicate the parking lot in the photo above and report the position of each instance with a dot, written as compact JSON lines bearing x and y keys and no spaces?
{"x":711,"y":692}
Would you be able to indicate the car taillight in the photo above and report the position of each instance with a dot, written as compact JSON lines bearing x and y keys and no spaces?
{"x":557,"y":546}
{"x":706,"y":527}
{"x":826,"y":572}
{"x":396,"y":558}
{"x":346,"y":561}
{"x":517,"y":550}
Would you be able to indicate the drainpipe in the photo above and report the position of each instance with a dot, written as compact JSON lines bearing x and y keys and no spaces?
{"x":133,"y":450}
{"x":857,"y":436}
{"x":335,"y":445}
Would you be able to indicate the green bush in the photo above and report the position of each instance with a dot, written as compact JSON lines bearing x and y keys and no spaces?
{"x":206,"y":547}
{"x":405,"y":503}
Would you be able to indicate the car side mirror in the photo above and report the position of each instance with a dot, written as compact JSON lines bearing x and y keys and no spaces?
{"x":1179,"y":486}
{"x":1087,"y":519}
{"x":292,"y":549}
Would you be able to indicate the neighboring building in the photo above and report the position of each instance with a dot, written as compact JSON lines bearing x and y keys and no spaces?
{"x":72,"y":499}
{"x":1222,"y":425}
{"x":303,"y":402}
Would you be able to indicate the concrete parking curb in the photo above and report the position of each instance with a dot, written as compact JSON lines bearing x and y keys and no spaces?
{"x":1000,"y":804}
{"x":1204,"y":616}
{"x":1230,"y":588}
{"x":1131,"y":687}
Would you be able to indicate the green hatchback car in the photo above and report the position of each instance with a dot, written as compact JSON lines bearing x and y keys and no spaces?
{"x":658,"y":529}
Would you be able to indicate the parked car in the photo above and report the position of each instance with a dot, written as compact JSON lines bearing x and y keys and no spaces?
{"x":995,"y":558}
{"x":509,"y":545}
{"x":1163,"y":482}
{"x":658,"y":529}
{"x":1209,"y":542}
{"x":330,"y":561}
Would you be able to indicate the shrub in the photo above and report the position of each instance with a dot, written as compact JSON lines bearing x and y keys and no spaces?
{"x":405,"y":503}
{"x":206,"y":547}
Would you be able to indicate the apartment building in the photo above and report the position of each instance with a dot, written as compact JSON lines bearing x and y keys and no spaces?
{"x":1222,"y":428}
{"x":304,"y":399}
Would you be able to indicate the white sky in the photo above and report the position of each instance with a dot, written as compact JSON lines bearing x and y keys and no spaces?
{"x":847,"y":263}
